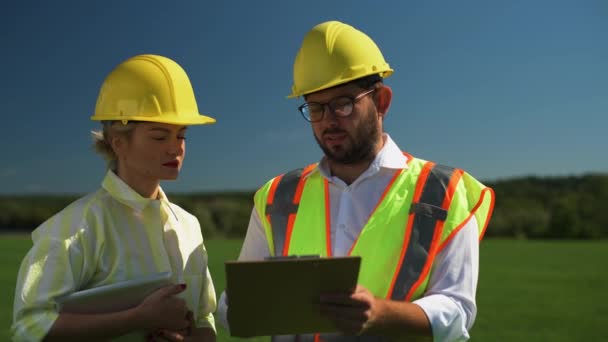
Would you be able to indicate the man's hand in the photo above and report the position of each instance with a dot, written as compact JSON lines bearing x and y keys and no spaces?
{"x":352,"y":314}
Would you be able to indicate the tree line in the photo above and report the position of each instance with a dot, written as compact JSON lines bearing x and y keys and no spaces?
{"x":551,"y":207}
{"x":568,"y":207}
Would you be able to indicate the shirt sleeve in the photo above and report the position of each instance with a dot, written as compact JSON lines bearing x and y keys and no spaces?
{"x":207,"y":303}
{"x":449,"y":301}
{"x":49,"y":270}
{"x":255,"y":247}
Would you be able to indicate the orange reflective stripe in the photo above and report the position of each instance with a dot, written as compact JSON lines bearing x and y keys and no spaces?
{"x":490,"y":210}
{"x":449,"y":195}
{"x":273,"y":188}
{"x":429,"y":208}
{"x":296,"y":200}
{"x":484,"y":192}
{"x":409,"y":157}
{"x":327,"y":218}
{"x":424,"y":173}
{"x":281,"y":212}
{"x":454,"y":232}
{"x":386,"y":190}
{"x":447,"y":199}
{"x":303,"y":178}
{"x":290,"y":220}
{"x":271,"y":191}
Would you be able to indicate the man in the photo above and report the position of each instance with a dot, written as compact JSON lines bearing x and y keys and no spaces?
{"x":415,"y":224}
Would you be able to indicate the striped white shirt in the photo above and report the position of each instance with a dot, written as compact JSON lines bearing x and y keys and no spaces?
{"x":109,"y":236}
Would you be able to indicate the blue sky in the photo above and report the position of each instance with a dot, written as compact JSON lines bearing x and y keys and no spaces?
{"x":499,"y":88}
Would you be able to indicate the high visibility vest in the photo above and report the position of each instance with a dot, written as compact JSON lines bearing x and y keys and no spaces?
{"x":421,"y":209}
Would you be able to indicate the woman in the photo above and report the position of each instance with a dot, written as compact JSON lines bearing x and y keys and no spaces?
{"x":127,"y":229}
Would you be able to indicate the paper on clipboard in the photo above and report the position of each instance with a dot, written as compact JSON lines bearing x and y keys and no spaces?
{"x":114,"y":297}
{"x":281,"y":296}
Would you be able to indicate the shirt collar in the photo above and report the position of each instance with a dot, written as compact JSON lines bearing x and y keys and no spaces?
{"x":389,"y":157}
{"x":123,"y":193}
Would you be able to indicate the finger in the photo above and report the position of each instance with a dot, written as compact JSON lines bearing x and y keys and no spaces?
{"x":357,"y":288}
{"x":171,"y":335}
{"x":337,"y":298}
{"x":181,"y":326}
{"x":190,"y":318}
{"x":346,"y":313}
{"x":172,"y":290}
{"x":179,"y":304}
{"x":343,"y":300}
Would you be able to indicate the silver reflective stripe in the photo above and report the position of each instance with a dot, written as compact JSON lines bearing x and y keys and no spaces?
{"x":282,"y":206}
{"x":426,"y":214}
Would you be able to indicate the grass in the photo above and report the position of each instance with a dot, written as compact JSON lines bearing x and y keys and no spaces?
{"x":542,"y":291}
{"x":528,"y":290}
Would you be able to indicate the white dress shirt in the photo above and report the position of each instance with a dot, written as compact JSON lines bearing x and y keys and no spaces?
{"x":449,"y":300}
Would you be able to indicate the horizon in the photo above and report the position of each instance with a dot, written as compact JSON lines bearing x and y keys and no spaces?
{"x":251,"y":191}
{"x":500,"y":89}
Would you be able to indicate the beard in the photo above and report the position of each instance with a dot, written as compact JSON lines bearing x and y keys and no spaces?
{"x":363,"y":142}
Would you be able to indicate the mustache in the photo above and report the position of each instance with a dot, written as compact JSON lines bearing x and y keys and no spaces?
{"x":333,"y":131}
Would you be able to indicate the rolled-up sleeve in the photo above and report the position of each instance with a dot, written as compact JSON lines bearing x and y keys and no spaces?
{"x":449,"y":301}
{"x":207,"y":304}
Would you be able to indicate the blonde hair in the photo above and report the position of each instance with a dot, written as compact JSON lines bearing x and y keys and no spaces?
{"x":102,"y":139}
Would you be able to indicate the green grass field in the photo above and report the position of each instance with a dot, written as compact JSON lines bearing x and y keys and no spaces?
{"x":528,"y":290}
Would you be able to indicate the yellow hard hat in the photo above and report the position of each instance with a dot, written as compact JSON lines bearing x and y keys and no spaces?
{"x":335,"y":53}
{"x":149,"y":88}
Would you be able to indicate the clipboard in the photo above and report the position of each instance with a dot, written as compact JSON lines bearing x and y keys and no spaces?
{"x":281,"y":295}
{"x":113,"y":297}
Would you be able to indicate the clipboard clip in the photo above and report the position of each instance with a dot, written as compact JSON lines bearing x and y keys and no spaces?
{"x":291,"y":257}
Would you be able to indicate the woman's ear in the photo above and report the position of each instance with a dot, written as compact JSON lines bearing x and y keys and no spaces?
{"x":118,"y":144}
{"x":384,"y":96}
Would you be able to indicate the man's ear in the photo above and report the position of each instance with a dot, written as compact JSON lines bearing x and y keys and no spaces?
{"x":384,"y":95}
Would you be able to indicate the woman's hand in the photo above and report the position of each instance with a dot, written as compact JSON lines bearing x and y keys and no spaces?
{"x":164,"y":310}
{"x":169,"y":335}
{"x":191,"y":334}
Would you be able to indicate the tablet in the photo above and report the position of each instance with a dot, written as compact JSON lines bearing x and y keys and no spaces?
{"x":281,"y":296}
{"x":113,"y":297}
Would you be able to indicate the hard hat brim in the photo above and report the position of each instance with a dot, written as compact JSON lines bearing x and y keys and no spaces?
{"x":174,"y":120}
{"x":384,"y":74}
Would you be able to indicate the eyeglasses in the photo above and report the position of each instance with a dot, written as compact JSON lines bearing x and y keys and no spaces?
{"x":341,"y":106}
